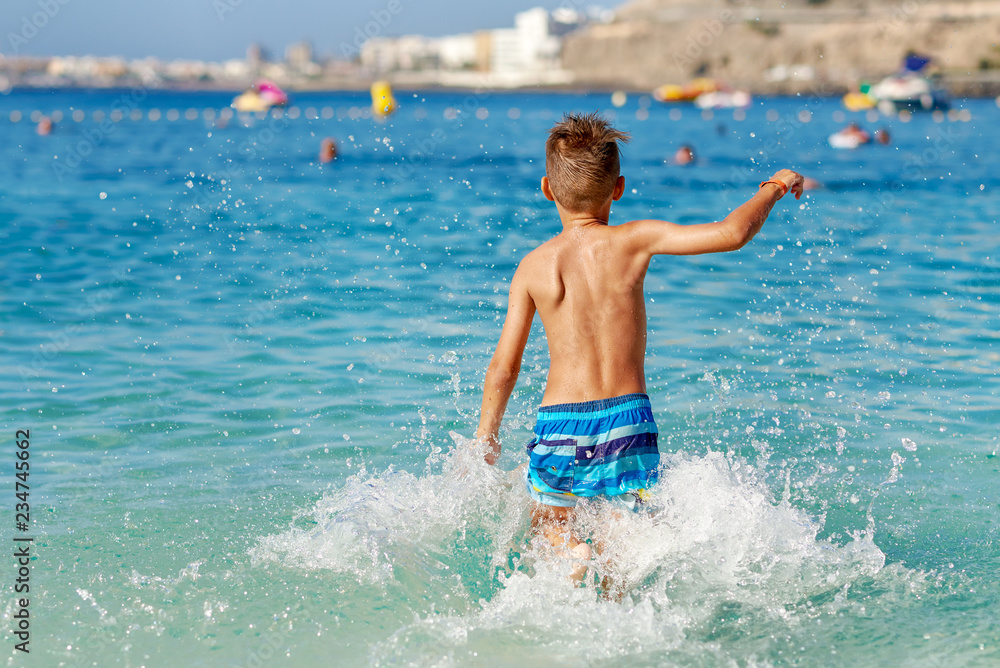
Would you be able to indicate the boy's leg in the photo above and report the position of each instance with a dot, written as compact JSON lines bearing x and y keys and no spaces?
{"x":610,"y":589}
{"x":553,"y":524}
{"x":612,"y":585}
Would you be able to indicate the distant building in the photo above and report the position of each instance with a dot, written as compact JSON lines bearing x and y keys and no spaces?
{"x":458,"y":52}
{"x":407,"y":53}
{"x":236,"y":69}
{"x":299,"y":54}
{"x":299,"y":59}
{"x":531,"y":48}
{"x":506,"y":52}
{"x":86,"y":67}
{"x":484,"y":47}
{"x":257,"y":56}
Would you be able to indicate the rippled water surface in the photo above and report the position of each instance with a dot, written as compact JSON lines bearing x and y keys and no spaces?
{"x":249,"y":377}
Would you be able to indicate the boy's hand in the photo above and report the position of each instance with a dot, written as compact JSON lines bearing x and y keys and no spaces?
{"x":492,"y":443}
{"x":792,"y":181}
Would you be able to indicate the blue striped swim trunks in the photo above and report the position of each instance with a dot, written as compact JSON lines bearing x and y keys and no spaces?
{"x":592,"y":448}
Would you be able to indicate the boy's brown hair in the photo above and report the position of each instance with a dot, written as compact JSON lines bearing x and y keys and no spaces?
{"x":582,"y":161}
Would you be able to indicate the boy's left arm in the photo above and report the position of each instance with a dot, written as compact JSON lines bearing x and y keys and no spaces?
{"x":501,"y":376}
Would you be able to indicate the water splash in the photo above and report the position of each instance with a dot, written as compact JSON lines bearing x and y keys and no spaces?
{"x":712,"y":549}
{"x":376,"y":523}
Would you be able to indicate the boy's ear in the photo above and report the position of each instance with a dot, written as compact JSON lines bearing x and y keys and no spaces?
{"x":619,"y":189}
{"x":547,"y":189}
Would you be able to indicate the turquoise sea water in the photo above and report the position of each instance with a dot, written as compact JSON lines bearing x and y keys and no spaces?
{"x":241,"y":372}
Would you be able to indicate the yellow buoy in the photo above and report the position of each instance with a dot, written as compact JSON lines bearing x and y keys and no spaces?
{"x":383,"y":103}
{"x":858,"y":101}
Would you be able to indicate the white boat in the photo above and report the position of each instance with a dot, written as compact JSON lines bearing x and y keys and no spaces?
{"x":723,"y":99}
{"x":909,"y":89}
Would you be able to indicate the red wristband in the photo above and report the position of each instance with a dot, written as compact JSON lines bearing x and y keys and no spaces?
{"x":784,"y":188}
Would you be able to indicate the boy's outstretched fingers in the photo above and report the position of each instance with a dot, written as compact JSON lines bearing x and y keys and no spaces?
{"x":797,"y":187}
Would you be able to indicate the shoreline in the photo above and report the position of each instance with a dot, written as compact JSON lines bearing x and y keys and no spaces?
{"x":970,"y":87}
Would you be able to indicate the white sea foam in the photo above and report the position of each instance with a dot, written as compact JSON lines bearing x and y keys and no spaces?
{"x":714,"y":539}
{"x":374,"y":519}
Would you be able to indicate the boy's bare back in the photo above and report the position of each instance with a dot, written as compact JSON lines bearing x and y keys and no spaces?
{"x":586,"y":285}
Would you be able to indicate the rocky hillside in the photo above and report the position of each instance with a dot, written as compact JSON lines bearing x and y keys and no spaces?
{"x":787,"y":46}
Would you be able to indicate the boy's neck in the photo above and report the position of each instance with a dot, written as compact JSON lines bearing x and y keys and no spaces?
{"x":577,"y":219}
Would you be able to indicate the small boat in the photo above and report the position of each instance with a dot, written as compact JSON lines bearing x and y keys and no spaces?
{"x":261,"y":97}
{"x":860,"y":100}
{"x":723,"y":99}
{"x":686,"y":93}
{"x":909,"y":89}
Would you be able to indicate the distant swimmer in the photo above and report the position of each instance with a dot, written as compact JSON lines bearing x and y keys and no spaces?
{"x":851,"y":136}
{"x":882,"y":136}
{"x":854,"y":130}
{"x":327,"y":150}
{"x":684,"y":155}
{"x":595,"y":435}
{"x":44,"y":126}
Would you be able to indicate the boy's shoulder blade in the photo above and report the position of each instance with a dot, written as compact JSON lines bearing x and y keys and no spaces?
{"x":541,"y":250}
{"x":532,"y":259}
{"x":538,"y":263}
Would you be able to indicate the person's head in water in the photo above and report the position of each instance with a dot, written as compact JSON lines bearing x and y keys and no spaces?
{"x":44,"y":126}
{"x":582,"y":163}
{"x":327,"y":150}
{"x":684,"y":155}
{"x":882,"y":136}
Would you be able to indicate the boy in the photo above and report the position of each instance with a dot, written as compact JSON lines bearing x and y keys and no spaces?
{"x":595,"y":433}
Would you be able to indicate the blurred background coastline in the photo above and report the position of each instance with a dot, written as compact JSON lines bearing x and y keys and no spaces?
{"x":825,"y":47}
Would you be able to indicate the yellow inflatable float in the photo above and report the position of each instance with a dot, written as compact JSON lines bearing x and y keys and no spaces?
{"x":383,"y":103}
{"x":860,"y":99}
{"x":687,"y":93}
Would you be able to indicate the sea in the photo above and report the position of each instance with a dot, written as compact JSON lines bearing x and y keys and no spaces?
{"x":244,"y":385}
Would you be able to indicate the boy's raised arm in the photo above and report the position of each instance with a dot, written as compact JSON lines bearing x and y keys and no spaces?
{"x":658,"y":237}
{"x":501,"y":376}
